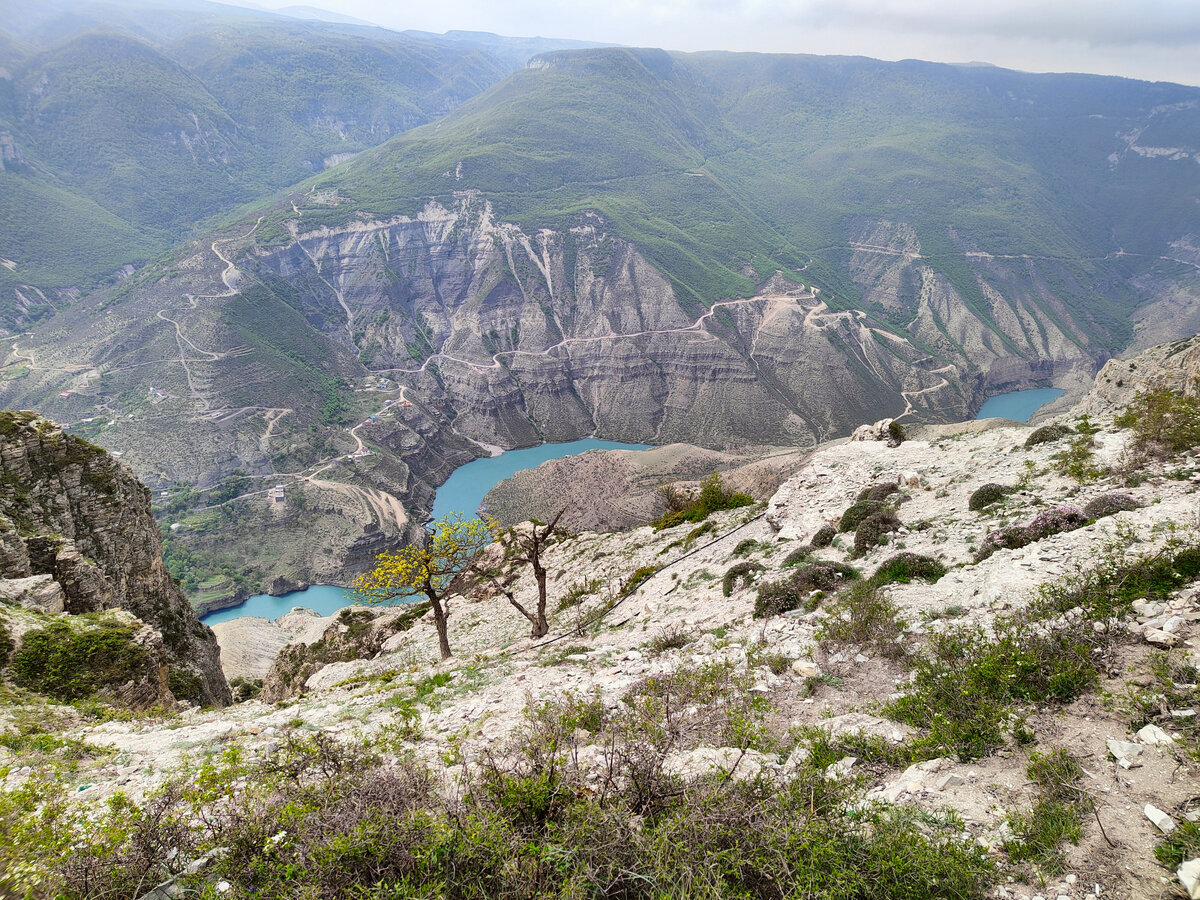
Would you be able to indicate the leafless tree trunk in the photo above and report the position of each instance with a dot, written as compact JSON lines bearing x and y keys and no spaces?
{"x":528,"y":548}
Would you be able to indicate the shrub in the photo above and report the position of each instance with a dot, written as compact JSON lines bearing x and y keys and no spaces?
{"x":985,"y":496}
{"x":904,"y":567}
{"x":855,"y":514}
{"x":576,"y":591}
{"x":673,"y":637}
{"x":801,"y":556}
{"x":878,"y":492}
{"x":1164,"y":422}
{"x":1076,"y":460}
{"x":6,"y":645}
{"x":1048,"y":434}
{"x":748,"y":546}
{"x":1108,"y":505}
{"x":824,"y":536}
{"x":1056,"y":520}
{"x":73,"y":663}
{"x":743,"y":573}
{"x":870,"y":531}
{"x":185,"y":684}
{"x":863,"y":617}
{"x":795,"y":591}
{"x":711,"y":498}
{"x":896,"y":434}
{"x":636,"y":578}
{"x":1052,"y":521}
{"x":245,"y":688}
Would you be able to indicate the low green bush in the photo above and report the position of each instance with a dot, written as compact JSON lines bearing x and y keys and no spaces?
{"x":877,"y":492}
{"x":1109,"y":505}
{"x":1048,"y":434}
{"x":905,"y":567}
{"x":749,"y":546}
{"x":966,"y":682}
{"x":742,"y":573}
{"x":870,"y":531}
{"x":862,"y":617}
{"x":796,"y":590}
{"x":671,"y":638}
{"x":576,"y":591}
{"x":985,"y":496}
{"x":824,"y":536}
{"x":636,"y":578}
{"x":853,"y":516}
{"x":801,"y":556}
{"x":712,"y":497}
{"x":1053,"y":521}
{"x":76,"y":661}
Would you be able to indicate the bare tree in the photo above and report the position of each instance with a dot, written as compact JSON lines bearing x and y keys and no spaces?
{"x":525,"y":546}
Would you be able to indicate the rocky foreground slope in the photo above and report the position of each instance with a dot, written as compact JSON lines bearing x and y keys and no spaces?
{"x":1004,"y":681}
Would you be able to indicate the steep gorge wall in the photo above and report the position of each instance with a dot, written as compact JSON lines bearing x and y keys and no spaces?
{"x":71,"y":512}
{"x":561,"y":333}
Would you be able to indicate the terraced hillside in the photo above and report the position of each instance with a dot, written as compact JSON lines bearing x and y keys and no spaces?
{"x":716,"y":249}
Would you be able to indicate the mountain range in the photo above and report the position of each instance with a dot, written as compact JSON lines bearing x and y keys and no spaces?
{"x":721,"y":249}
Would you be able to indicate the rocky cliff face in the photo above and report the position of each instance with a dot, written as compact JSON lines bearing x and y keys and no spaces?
{"x":77,"y":536}
{"x":1175,"y":365}
{"x":489,"y":332}
{"x":558,"y":334}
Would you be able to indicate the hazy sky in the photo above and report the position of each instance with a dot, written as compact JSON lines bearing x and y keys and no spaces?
{"x":1151,"y":39}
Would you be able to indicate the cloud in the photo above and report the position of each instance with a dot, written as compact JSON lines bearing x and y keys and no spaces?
{"x":1151,"y":39}
{"x":1166,"y":23}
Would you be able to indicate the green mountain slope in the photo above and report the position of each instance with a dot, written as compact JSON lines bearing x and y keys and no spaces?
{"x":718,"y":249}
{"x":727,"y":166}
{"x":122,"y":142}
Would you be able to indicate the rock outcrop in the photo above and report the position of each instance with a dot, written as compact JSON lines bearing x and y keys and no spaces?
{"x":1175,"y":365}
{"x":77,"y":536}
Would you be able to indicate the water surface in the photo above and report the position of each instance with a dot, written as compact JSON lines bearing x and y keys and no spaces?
{"x":322,"y":598}
{"x":467,"y":485}
{"x":1018,"y":405}
{"x":463,"y":492}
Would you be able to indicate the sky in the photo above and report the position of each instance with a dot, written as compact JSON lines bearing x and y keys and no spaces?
{"x":1157,"y":40}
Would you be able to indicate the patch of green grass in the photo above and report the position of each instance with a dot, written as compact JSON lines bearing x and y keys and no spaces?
{"x":1056,"y":815}
{"x":75,"y":661}
{"x":1179,"y":846}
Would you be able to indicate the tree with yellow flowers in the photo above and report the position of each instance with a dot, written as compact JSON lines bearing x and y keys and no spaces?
{"x":434,"y":569}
